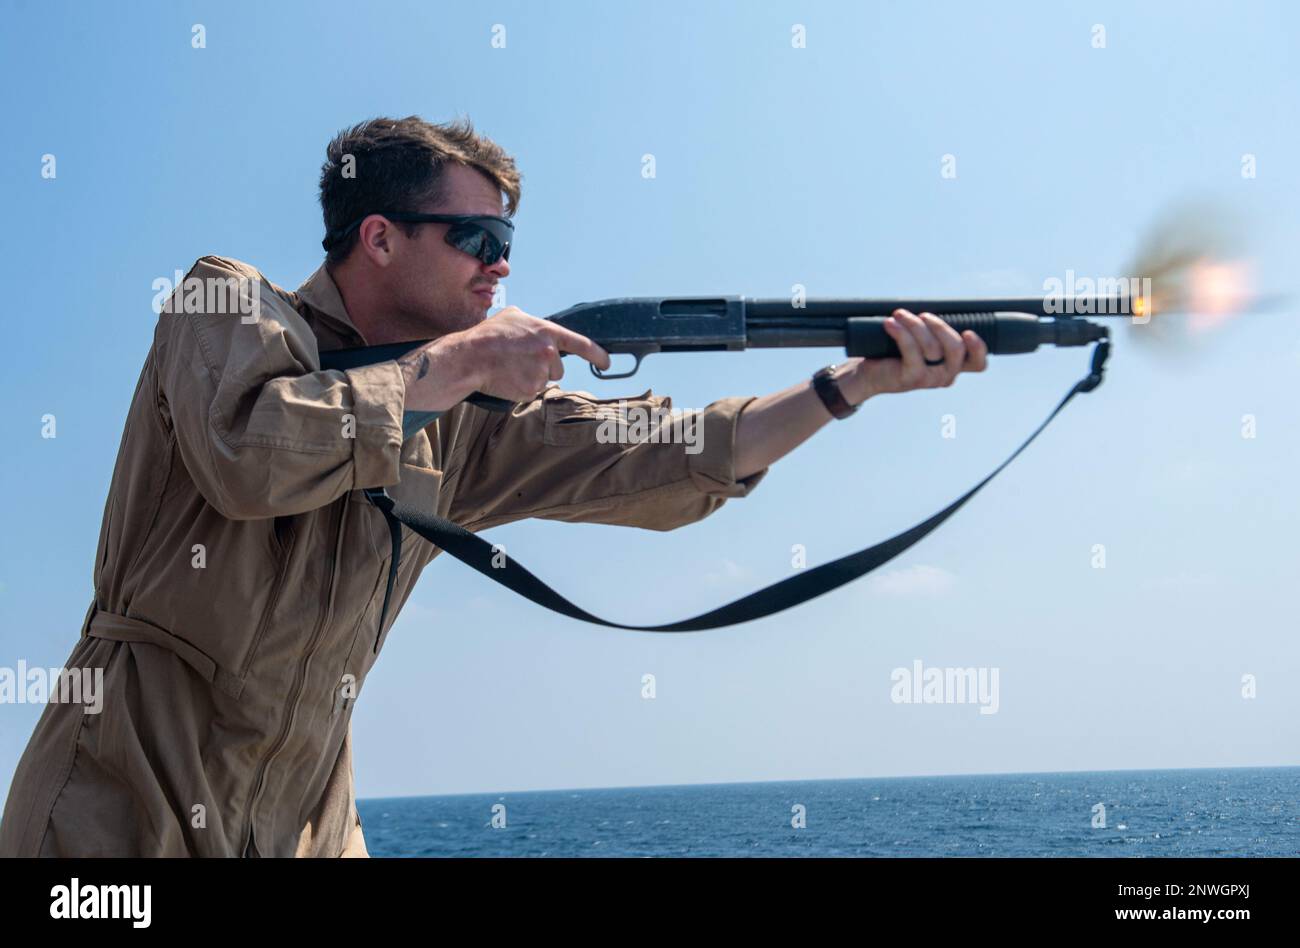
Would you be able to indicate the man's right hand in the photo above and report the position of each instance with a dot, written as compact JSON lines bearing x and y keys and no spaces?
{"x":511,"y":355}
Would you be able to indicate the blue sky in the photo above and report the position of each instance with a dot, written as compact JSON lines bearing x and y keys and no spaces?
{"x":774,"y":166}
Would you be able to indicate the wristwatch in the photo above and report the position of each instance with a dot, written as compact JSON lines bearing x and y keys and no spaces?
{"x":828,"y":390}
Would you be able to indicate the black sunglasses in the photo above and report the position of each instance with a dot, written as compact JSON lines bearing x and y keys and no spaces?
{"x":480,"y":235}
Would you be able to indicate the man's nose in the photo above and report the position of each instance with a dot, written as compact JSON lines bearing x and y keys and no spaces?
{"x":500,"y":269}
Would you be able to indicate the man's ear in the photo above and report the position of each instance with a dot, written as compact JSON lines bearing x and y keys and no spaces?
{"x":375,"y":239}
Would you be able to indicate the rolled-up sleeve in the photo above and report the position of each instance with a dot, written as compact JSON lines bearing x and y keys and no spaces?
{"x":564,"y":456}
{"x":262,"y":431}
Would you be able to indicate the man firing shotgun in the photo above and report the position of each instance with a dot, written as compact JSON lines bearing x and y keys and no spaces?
{"x":229,"y":687}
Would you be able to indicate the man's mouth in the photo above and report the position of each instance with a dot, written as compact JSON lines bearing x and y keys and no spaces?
{"x":486,"y":292}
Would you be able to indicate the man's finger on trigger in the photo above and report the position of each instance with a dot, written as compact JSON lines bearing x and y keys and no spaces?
{"x":569,"y":341}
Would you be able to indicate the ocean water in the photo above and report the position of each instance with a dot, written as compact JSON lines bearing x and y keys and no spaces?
{"x":1236,"y":812}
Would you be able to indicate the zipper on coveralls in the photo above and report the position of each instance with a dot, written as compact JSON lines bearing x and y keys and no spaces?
{"x":300,"y":677}
{"x":285,"y":556}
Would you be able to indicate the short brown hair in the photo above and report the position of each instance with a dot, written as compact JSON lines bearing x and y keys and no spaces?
{"x":389,"y":164}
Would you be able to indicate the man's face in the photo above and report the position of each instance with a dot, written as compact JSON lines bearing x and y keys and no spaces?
{"x":436,"y":288}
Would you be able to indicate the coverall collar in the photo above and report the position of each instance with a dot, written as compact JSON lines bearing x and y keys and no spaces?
{"x":321,"y":293}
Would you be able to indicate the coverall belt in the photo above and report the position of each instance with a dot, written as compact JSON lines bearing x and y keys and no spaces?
{"x":107,"y":625}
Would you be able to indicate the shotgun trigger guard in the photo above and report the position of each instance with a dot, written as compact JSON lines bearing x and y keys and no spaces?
{"x":619,"y":375}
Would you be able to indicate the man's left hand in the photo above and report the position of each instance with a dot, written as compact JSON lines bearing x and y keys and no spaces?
{"x":918,"y":338}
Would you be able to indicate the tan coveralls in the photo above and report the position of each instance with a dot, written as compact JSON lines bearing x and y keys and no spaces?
{"x":224,"y":728}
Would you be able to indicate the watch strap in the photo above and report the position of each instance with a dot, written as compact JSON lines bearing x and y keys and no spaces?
{"x":828,"y":390}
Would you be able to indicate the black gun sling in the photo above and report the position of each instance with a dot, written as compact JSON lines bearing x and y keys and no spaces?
{"x":478,"y":553}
